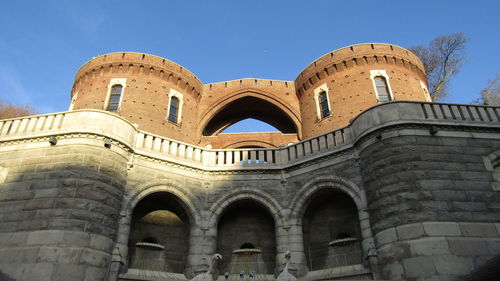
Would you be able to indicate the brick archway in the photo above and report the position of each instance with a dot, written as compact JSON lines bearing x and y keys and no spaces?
{"x":251,"y":103}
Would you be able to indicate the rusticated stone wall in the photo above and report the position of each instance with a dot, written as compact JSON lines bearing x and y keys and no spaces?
{"x":432,"y":206}
{"x":59,"y":209}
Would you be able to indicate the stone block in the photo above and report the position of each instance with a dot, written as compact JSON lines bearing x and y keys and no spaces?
{"x":38,"y":272}
{"x":442,"y":229}
{"x":68,"y":224}
{"x":470,"y":206}
{"x":75,"y":238}
{"x":418,"y":267}
{"x":44,"y":237}
{"x":429,"y":246}
{"x":468,"y":246}
{"x":386,"y":236}
{"x":449,"y":264}
{"x":18,"y":255}
{"x":493,"y":246}
{"x":101,"y":243}
{"x":55,"y":254}
{"x":13,"y":239}
{"x":393,"y":271}
{"x":410,"y":231}
{"x":95,"y":258}
{"x":479,"y":229}
{"x":68,"y":272}
{"x":94,"y":273}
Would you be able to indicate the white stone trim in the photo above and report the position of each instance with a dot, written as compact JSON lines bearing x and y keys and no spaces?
{"x":317,"y":91}
{"x":73,"y":101}
{"x":180,"y":96}
{"x":426,"y":92}
{"x":383,"y":73}
{"x":112,"y":82}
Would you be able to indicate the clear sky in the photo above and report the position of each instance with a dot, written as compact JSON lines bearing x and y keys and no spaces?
{"x":43,"y":43}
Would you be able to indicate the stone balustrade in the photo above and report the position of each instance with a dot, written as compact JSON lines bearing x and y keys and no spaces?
{"x":111,"y":126}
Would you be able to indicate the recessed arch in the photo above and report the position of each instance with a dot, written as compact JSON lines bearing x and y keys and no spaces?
{"x":181,"y":193}
{"x":237,"y":194}
{"x":159,"y":233}
{"x":245,"y":104}
{"x":246,"y":237}
{"x":301,"y":199}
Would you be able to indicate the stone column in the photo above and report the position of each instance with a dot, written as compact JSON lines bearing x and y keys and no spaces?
{"x":289,"y":237}
{"x":369,"y":250}
{"x":119,"y":261}
{"x":202,"y":245}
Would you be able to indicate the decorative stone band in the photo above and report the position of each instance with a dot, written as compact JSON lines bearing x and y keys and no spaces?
{"x":114,"y":127}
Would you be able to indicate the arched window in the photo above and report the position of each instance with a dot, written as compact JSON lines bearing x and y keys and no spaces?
{"x":173,"y":111}
{"x":115,"y":97}
{"x":322,"y":101}
{"x":323,"y":104}
{"x":383,"y":93}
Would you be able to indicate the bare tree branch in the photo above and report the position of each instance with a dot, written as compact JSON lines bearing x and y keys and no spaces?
{"x":442,"y":60}
{"x":491,"y":94}
{"x":12,"y":111}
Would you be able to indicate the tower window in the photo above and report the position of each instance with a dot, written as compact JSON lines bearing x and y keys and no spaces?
{"x":174,"y":110}
{"x":116,"y":88}
{"x":115,"y":97}
{"x":382,"y":89}
{"x":381,"y":85}
{"x":175,"y":101}
{"x":323,"y":103}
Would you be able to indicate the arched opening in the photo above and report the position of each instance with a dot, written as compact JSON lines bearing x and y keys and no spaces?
{"x":249,"y":125}
{"x":246,"y":239}
{"x":250,"y":107}
{"x":159,"y":234}
{"x":331,"y":229}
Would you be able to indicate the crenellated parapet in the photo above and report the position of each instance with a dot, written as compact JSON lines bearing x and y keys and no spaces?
{"x":140,"y":64}
{"x":360,"y":55}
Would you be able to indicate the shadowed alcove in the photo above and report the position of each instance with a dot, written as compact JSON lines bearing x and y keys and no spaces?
{"x":331,"y":230}
{"x":246,"y":238}
{"x":159,"y":234}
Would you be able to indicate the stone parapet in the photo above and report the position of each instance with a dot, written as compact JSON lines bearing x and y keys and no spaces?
{"x":439,"y":116}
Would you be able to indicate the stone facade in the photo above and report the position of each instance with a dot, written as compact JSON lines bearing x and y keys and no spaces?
{"x":408,"y":190}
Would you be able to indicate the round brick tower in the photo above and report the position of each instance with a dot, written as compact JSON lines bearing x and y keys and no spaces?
{"x":158,"y":95}
{"x":341,"y":84}
{"x":166,"y":99}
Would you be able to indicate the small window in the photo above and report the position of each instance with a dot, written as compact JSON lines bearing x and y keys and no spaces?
{"x":114,"y":98}
{"x":174,"y":110}
{"x":383,"y":93}
{"x":323,"y":103}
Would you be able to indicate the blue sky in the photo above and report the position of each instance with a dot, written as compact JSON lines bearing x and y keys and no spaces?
{"x":43,"y":43}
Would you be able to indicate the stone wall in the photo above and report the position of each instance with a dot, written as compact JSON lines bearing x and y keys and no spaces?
{"x":68,"y":211}
{"x":431,"y":201}
{"x":59,"y":207}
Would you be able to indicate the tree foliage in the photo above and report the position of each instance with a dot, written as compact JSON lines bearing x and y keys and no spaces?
{"x":442,"y":60}
{"x":12,"y":111}
{"x":491,"y":94}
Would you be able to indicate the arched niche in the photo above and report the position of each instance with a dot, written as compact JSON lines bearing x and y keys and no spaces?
{"x":331,"y":230}
{"x":246,"y":238}
{"x":159,"y":234}
{"x":250,"y":107}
